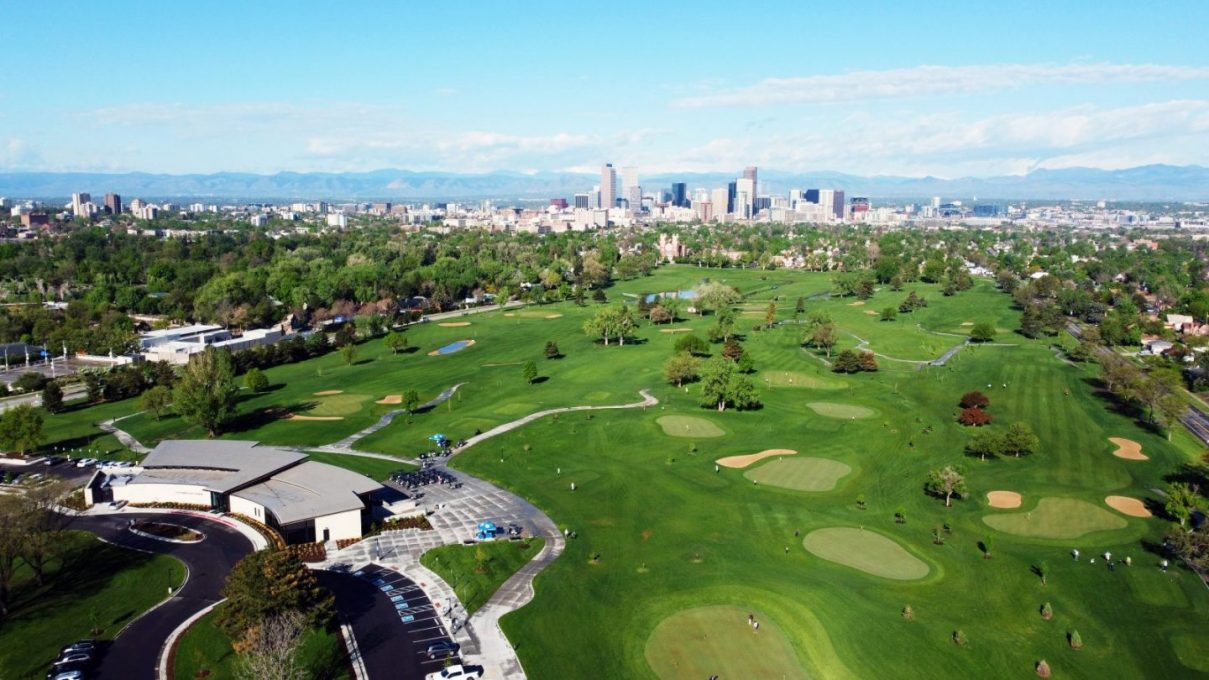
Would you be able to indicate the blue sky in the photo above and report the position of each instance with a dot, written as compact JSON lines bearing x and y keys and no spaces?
{"x":914,"y":88}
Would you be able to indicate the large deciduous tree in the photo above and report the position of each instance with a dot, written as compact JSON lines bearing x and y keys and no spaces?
{"x":946,"y":483}
{"x":723,"y":385}
{"x":206,"y":393}
{"x":681,"y":368}
{"x":21,"y":429}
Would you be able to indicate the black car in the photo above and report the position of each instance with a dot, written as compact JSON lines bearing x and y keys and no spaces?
{"x":442,"y":648}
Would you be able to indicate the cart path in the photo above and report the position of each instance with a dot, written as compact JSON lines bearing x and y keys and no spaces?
{"x":647,"y":400}
{"x":346,"y":445}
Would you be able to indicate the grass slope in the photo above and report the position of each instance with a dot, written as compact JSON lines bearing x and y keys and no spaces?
{"x":476,"y":572}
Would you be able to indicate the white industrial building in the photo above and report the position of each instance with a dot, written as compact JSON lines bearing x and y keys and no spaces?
{"x":176,"y":345}
{"x":304,"y":500}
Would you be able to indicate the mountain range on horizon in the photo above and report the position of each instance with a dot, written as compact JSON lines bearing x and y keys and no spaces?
{"x":1148,"y":183}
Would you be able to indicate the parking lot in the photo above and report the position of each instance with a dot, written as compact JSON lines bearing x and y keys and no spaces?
{"x":393,"y":621}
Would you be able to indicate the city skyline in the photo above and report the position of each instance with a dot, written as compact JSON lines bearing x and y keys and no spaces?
{"x":900,"y":90}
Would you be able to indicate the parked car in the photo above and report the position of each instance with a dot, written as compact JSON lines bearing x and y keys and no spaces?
{"x":85,"y":462}
{"x":80,"y":646}
{"x":52,"y":460}
{"x":74,"y":657}
{"x":442,"y":649}
{"x":70,"y":674}
{"x":456,"y":672}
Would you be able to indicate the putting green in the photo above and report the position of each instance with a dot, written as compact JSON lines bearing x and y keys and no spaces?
{"x":799,"y":379}
{"x":830,"y":409}
{"x":688,"y":426}
{"x":1056,"y":518}
{"x":717,"y":640}
{"x":867,"y":551}
{"x":337,"y":405}
{"x":800,"y":474}
{"x":1192,"y":650}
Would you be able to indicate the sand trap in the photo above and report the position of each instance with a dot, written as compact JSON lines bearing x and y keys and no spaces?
{"x":870,"y":312}
{"x":675,"y":330}
{"x":454,"y":324}
{"x":328,"y":393}
{"x":509,"y":314}
{"x":1128,"y":506}
{"x":967,"y":323}
{"x":858,"y":303}
{"x":391,"y":399}
{"x":554,"y":316}
{"x":315,"y":418}
{"x":736,"y":462}
{"x":1128,"y":449}
{"x":1003,"y":499}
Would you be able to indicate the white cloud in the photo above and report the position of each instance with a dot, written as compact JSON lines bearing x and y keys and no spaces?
{"x":935,"y":80}
{"x":18,"y":154}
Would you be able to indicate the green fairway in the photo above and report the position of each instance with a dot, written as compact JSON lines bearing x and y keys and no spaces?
{"x":376,"y":468}
{"x":800,"y":474}
{"x":1057,"y":518}
{"x":846,"y":411}
{"x":867,"y":551}
{"x":337,"y":405}
{"x":476,"y":572}
{"x":707,"y":641}
{"x":800,"y":379}
{"x":689,"y":426}
{"x":94,"y":591}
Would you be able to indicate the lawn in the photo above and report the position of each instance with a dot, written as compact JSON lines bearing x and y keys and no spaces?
{"x":95,"y":591}
{"x":375,"y":468}
{"x":205,"y":648}
{"x":800,"y":474}
{"x":476,"y":572}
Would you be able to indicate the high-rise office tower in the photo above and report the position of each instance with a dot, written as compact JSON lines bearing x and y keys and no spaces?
{"x":631,"y":190}
{"x":730,"y":197}
{"x":719,"y":199}
{"x":750,"y":173}
{"x":838,"y":205}
{"x":581,"y":200}
{"x":812,"y":196}
{"x":827,"y":200}
{"x":78,"y":202}
{"x":679,"y":199}
{"x":745,"y":198}
{"x":113,"y":204}
{"x":608,"y":186}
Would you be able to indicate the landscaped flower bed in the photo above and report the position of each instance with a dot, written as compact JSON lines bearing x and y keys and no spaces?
{"x":174,"y":532}
{"x":309,"y":552}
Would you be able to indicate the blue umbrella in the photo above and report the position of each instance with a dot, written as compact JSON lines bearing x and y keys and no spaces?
{"x":437,"y":437}
{"x":487,"y":527}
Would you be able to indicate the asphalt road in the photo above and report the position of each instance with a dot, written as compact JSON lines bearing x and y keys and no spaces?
{"x":392,"y":647}
{"x":135,"y":652}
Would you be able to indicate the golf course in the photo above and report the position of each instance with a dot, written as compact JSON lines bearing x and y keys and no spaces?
{"x":682,"y":532}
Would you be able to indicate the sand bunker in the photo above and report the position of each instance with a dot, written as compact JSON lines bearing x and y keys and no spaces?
{"x":328,"y":393}
{"x":1128,"y":449}
{"x":858,"y":303}
{"x":870,"y":312}
{"x":391,"y":399}
{"x":738,"y":462}
{"x":1003,"y":499}
{"x":315,"y":418}
{"x":554,"y":316}
{"x":454,"y":324}
{"x":1128,"y":506}
{"x":967,"y":323}
{"x":675,"y":330}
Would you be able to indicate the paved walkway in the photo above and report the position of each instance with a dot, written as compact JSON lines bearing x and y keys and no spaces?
{"x":123,"y":436}
{"x":346,"y":445}
{"x":647,"y":400}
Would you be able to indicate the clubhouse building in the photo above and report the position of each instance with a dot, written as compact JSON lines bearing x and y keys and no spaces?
{"x":304,"y":500}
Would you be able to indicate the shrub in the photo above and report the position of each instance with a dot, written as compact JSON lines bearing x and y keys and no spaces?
{"x":908,"y":613}
{"x":974,"y":417}
{"x":1047,"y":612}
{"x":1043,"y":669}
{"x":959,"y":638}
{"x":974,"y":399}
{"x":1073,"y":637}
{"x":256,"y":380}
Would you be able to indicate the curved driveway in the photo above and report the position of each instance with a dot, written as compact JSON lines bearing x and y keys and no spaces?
{"x":135,"y":652}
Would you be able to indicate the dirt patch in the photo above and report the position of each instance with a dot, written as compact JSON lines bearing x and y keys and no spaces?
{"x":1003,"y":499}
{"x":1128,"y":506}
{"x":315,"y":418}
{"x":675,"y":330}
{"x":1128,"y":449}
{"x":391,"y":399}
{"x":737,"y":462}
{"x":329,"y":393}
{"x":454,"y":324}
{"x":870,"y":312}
{"x":858,"y":303}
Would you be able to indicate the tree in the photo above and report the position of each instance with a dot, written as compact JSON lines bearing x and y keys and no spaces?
{"x":94,"y":383}
{"x":21,"y":429}
{"x":599,"y":296}
{"x":770,"y":315}
{"x":43,"y":525}
{"x":722,"y":385}
{"x":349,"y":352}
{"x":396,"y":342}
{"x":693,"y":344}
{"x":32,"y":381}
{"x":982,"y":332}
{"x":1076,"y":640}
{"x":822,"y":337}
{"x":724,"y":325}
{"x":410,"y":400}
{"x":974,"y":417}
{"x":714,"y":296}
{"x":868,"y":362}
{"x":732,"y":350}
{"x":946,"y":483}
{"x":271,"y":648}
{"x":552,"y":350}
{"x":681,"y":368}
{"x":799,"y":308}
{"x":269,"y":583}
{"x":745,"y":363}
{"x":985,"y":443}
{"x":1020,"y":440}
{"x":12,"y":540}
{"x":1190,"y":546}
{"x":1182,"y":499}
{"x":206,"y":393}
{"x":974,"y":399}
{"x":529,"y":371}
{"x":52,"y":397}
{"x":889,"y":314}
{"x":847,"y":361}
{"x":157,"y":400}
{"x":256,"y":380}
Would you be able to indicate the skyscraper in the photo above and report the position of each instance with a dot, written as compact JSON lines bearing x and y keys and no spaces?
{"x":745,"y":198}
{"x":679,"y":199}
{"x":631,"y":190}
{"x":581,"y":201}
{"x":608,"y":186}
{"x":838,"y":206}
{"x":113,"y":204}
{"x":78,"y":203}
{"x":718,"y":201}
{"x":812,"y":196}
{"x":730,"y":197}
{"x":750,"y":173}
